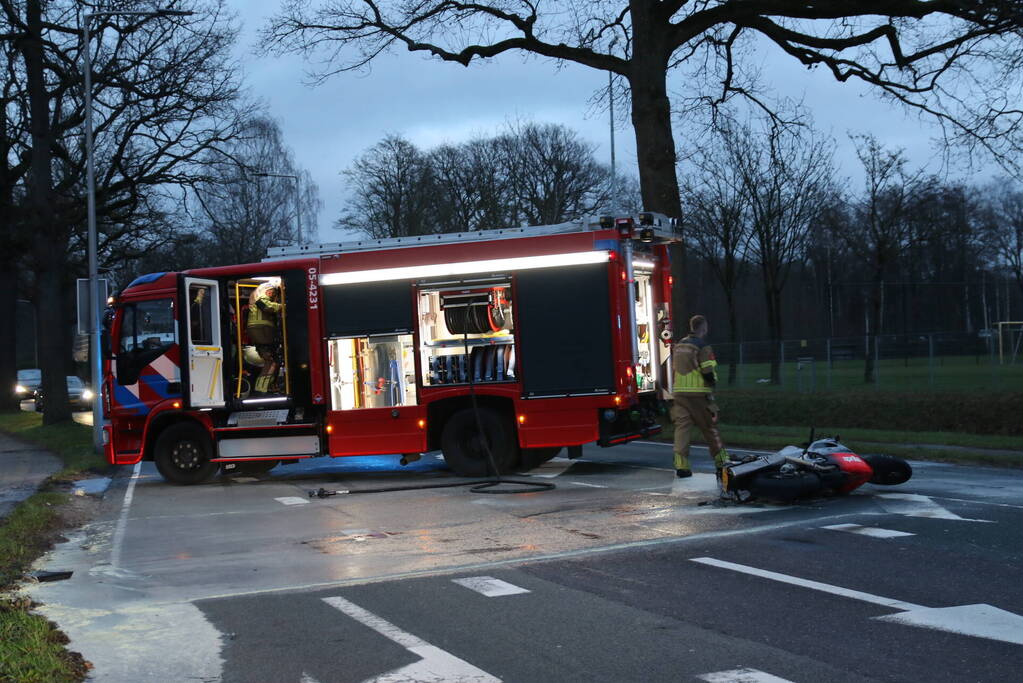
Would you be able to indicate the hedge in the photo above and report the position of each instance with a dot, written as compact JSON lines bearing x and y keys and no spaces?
{"x":974,"y":414}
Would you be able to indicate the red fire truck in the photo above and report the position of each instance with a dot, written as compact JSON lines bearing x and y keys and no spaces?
{"x":532,"y":339}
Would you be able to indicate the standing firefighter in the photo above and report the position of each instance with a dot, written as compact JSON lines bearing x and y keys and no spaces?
{"x":694,"y":366}
{"x":261,"y":327}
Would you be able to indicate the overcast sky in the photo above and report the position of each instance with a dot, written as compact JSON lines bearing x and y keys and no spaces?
{"x":430,"y":102}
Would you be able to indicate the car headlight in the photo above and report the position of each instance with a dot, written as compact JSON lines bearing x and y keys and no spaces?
{"x":87,"y":395}
{"x":18,"y":389}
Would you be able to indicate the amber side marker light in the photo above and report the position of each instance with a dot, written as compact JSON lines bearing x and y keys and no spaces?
{"x":522,"y":419}
{"x":330,"y":429}
{"x":618,"y":400}
{"x":422,"y":424}
{"x":176,"y":404}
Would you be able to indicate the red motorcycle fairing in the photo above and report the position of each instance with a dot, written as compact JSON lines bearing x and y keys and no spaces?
{"x":857,"y":470}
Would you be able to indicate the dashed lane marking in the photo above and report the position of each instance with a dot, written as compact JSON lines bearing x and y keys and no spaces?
{"x":741,"y":676}
{"x":489,"y":586}
{"x":292,"y":500}
{"x":435,"y":664}
{"x":871,"y":531}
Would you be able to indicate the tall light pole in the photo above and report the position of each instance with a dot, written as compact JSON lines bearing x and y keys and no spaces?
{"x":95,"y":350}
{"x":298,"y":200}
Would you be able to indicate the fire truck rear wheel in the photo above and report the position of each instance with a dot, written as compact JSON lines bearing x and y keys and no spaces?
{"x":182,"y":454}
{"x":534,"y":457}
{"x":462,"y":442}
{"x":254,"y":468}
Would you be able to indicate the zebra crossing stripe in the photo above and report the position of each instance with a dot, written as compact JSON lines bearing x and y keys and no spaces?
{"x":741,"y":676}
{"x":873,"y":532}
{"x":489,"y":586}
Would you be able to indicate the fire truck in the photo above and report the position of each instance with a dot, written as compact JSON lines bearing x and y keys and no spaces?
{"x":499,"y":348}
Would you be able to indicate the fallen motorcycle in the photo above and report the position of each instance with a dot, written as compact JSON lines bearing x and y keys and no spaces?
{"x":822,"y":467}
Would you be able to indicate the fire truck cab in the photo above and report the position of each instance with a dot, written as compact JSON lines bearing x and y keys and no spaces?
{"x":530,"y":339}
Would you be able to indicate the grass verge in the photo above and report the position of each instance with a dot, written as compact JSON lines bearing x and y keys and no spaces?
{"x":31,"y":647}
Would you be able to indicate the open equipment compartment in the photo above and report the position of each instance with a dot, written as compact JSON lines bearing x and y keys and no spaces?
{"x":477,"y":315}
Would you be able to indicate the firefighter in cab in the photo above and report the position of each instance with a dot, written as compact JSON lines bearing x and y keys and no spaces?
{"x":695,"y":375}
{"x":262,"y":329}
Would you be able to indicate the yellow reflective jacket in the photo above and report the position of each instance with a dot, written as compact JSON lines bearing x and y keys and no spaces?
{"x":691,"y":359}
{"x":263,"y":312}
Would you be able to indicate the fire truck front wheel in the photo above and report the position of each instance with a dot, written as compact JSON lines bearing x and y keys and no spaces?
{"x":183,"y":453}
{"x":462,"y":442}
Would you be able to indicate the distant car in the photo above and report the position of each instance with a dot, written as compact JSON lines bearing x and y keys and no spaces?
{"x":28,"y":383}
{"x":79,"y":395}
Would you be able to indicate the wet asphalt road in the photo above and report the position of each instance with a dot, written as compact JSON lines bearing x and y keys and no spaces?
{"x":619,"y":574}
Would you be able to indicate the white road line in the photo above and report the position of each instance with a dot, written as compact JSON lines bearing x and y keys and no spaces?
{"x":741,"y":676}
{"x":552,"y":468}
{"x":874,"y":532}
{"x":592,"y":486}
{"x":489,"y":586}
{"x":807,"y":583}
{"x":979,"y":502}
{"x":435,"y":665}
{"x":978,"y":621}
{"x":292,"y":500}
{"x":122,"y":521}
{"x":914,"y":505}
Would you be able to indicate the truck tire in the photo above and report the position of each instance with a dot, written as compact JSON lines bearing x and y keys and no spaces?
{"x":182,"y":454}
{"x":785,"y":486}
{"x":888,"y":470}
{"x":534,"y":457}
{"x":462,"y":444}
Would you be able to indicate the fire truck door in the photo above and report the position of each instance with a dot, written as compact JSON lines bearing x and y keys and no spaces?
{"x":205,"y":348}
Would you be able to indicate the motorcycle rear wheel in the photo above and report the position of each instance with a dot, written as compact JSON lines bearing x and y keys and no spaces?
{"x":888,"y":469}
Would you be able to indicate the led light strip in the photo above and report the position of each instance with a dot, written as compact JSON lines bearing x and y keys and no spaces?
{"x":577,"y":258}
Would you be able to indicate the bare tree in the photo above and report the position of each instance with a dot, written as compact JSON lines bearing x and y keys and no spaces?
{"x":882,"y":229}
{"x":716,"y":223}
{"x":532,"y":174}
{"x":248,"y":202}
{"x":472,"y":186}
{"x":554,"y":176}
{"x":164,"y":92}
{"x":392,"y":191}
{"x":1003,"y":229}
{"x":953,"y":60}
{"x":785,"y":175}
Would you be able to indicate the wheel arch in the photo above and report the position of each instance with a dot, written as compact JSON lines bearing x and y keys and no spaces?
{"x":161,"y":422}
{"x":438,"y":413}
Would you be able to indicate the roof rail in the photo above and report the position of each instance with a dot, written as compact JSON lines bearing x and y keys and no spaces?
{"x":662,"y":226}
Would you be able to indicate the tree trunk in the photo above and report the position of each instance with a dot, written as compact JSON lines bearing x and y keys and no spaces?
{"x":8,"y":337}
{"x":8,"y":278}
{"x":49,"y":246}
{"x":655,"y":143}
{"x":773,"y":299}
{"x":874,"y":319}
{"x":733,"y":333}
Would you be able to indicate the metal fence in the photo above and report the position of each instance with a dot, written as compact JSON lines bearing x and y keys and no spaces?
{"x":912,"y":362}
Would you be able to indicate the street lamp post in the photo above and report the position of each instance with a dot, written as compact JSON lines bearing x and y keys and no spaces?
{"x":298,"y":200}
{"x":96,"y":355}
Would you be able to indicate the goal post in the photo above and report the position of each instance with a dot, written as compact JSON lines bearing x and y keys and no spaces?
{"x":1010,"y":337}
